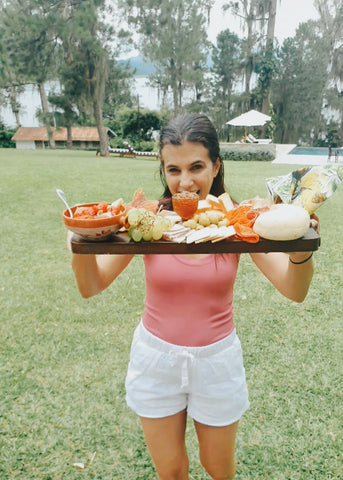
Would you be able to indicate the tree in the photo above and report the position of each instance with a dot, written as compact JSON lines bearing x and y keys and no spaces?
{"x":331,"y":19}
{"x":84,"y":72}
{"x":117,"y":88}
{"x":31,"y":45}
{"x":31,"y":37}
{"x":226,"y":68}
{"x":247,"y":11}
{"x":266,"y":68}
{"x":270,"y":65}
{"x":136,"y":126}
{"x":258,"y":21}
{"x":139,"y":125}
{"x":9,"y":81}
{"x":299,"y":87}
{"x":174,"y":38}
{"x":226,"y":58}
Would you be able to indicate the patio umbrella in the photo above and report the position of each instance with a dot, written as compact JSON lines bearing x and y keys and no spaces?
{"x":253,"y":118}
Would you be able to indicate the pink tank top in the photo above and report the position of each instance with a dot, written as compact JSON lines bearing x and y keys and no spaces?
{"x":189,"y":301}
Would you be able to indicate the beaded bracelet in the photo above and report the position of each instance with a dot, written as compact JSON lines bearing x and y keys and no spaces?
{"x":302,"y":261}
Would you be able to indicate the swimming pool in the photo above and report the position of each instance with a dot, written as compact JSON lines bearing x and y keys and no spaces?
{"x":324,"y":151}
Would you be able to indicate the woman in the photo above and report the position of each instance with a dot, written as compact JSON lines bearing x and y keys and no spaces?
{"x":186,"y":358}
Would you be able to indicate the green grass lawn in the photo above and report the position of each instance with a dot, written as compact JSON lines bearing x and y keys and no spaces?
{"x":63,"y":358}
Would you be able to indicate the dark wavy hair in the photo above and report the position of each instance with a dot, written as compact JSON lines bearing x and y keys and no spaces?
{"x":197,"y":128}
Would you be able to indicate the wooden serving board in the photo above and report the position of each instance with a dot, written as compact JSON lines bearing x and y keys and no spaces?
{"x":120,"y":244}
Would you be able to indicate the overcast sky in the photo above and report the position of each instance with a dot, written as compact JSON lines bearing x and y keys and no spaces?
{"x":289,"y":14}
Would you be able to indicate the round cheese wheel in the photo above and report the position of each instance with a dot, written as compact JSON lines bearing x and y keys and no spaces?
{"x":282,"y":222}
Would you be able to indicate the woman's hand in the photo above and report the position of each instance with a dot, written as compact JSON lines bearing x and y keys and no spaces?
{"x":314,"y":223}
{"x":69,"y":237}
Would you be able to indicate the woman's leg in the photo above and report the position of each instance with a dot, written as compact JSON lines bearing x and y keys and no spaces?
{"x":217,"y":450}
{"x":165,"y":438}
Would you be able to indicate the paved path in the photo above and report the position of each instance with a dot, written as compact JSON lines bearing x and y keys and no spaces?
{"x":283,"y":156}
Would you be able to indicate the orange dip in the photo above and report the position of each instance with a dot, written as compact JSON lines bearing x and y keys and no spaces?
{"x":185,"y":204}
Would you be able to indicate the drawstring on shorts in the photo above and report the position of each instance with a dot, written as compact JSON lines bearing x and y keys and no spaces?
{"x":188,"y":359}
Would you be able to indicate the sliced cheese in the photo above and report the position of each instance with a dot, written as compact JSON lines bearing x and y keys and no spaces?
{"x":223,"y":233}
{"x":203,"y":205}
{"x":212,"y":234}
{"x":212,"y":198}
{"x":226,"y":200}
{"x":176,"y":234}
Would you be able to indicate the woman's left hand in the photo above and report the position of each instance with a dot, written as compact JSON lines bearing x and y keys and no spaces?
{"x":314,"y":223}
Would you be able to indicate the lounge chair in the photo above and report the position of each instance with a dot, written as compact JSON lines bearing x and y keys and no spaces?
{"x":129,"y":151}
{"x":252,"y":139}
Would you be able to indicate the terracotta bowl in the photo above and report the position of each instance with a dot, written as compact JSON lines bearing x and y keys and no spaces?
{"x":94,"y":229}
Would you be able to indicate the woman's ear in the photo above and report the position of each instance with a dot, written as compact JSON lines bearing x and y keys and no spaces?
{"x":216,"y":168}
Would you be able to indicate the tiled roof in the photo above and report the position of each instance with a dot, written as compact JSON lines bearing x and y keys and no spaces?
{"x":83,"y":134}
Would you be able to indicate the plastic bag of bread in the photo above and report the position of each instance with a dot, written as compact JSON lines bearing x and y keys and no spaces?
{"x":308,"y":188}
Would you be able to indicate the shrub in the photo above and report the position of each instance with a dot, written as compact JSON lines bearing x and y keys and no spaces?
{"x":248,"y":152}
{"x":5,"y":138}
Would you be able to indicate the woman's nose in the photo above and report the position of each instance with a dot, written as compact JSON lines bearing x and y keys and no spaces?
{"x":185,"y":180}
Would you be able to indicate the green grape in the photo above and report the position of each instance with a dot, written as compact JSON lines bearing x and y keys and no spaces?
{"x":136,"y":234}
{"x":157,"y":230}
{"x":146,"y":233}
{"x":147,"y":219}
{"x":134,"y":216}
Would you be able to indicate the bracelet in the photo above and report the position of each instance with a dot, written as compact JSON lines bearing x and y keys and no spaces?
{"x":302,"y":261}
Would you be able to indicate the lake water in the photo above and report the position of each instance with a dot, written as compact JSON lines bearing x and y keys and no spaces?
{"x":30,"y":101}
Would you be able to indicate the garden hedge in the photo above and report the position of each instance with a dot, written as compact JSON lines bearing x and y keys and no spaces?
{"x":248,"y":151}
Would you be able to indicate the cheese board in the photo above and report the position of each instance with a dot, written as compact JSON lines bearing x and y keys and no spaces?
{"x":121,"y":244}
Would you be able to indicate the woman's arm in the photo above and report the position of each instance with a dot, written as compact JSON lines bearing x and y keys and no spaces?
{"x":291,"y":279}
{"x":95,"y":273}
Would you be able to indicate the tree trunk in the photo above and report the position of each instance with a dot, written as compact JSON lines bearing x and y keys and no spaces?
{"x":45,"y":109}
{"x":14,"y":105}
{"x":174,"y":85}
{"x":271,"y":21}
{"x":249,"y":62}
{"x":69,"y":138}
{"x":101,"y":128}
{"x":269,"y":45}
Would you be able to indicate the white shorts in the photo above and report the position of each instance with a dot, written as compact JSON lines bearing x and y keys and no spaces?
{"x":164,"y":379}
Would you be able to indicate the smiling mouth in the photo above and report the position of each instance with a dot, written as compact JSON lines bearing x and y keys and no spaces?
{"x":186,"y":191}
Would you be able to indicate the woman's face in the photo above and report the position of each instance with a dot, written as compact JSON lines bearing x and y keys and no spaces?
{"x":188,"y":168}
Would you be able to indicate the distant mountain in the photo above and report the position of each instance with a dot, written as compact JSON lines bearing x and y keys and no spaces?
{"x":139,"y":65}
{"x":144,"y":68}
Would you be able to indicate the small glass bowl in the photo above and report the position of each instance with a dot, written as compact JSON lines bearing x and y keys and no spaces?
{"x":185,"y":204}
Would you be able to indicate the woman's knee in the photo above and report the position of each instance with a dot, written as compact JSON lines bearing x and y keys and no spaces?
{"x":174,"y":471}
{"x":220,"y":472}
